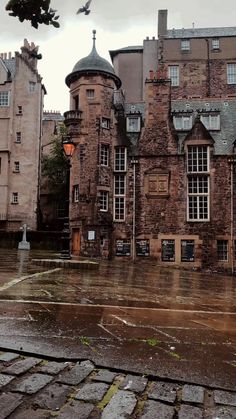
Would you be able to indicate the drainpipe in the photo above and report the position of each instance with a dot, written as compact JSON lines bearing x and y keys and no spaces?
{"x":208,"y":92}
{"x":232,"y":161}
{"x":134,"y":162}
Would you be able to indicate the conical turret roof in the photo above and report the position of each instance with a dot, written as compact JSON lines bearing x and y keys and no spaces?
{"x":92,"y":64}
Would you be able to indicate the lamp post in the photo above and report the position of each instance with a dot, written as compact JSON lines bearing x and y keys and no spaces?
{"x":68,"y":148}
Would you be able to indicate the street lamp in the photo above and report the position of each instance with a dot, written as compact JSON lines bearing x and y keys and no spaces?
{"x":68,"y":148}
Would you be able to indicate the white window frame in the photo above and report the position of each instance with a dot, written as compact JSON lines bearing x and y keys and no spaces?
{"x":104,"y":154}
{"x":231,"y":73}
{"x":173,"y":74}
{"x":120,"y":161}
{"x":119,"y":197}
{"x":183,"y":122}
{"x":15,"y":198}
{"x":211,"y":121}
{"x":4,"y":99}
{"x":185,"y":45}
{"x":198,"y":184}
{"x":76,"y":193}
{"x":133,"y":123}
{"x":103,"y":201}
{"x":215,"y":44}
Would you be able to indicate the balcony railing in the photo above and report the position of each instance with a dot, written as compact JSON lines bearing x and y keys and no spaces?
{"x":73,"y":117}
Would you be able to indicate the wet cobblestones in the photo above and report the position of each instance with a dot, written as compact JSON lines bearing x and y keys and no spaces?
{"x":31,"y":387}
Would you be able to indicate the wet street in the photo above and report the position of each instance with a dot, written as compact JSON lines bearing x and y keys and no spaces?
{"x":140,"y":317}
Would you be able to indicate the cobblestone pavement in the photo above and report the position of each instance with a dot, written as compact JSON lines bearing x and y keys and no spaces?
{"x":35,"y":388}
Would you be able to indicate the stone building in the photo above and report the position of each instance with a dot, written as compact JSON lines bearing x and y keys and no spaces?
{"x":153,"y":172}
{"x":21,"y":105}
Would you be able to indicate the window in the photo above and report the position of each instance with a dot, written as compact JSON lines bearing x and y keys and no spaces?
{"x":16,"y":167}
{"x":18,"y":137}
{"x":120,"y":159}
{"x":76,"y":193}
{"x":231,"y":73}
{"x":173,"y":74}
{"x":76,"y":102}
{"x":105,"y":123}
{"x":222,"y":250}
{"x":104,"y":154}
{"x":133,"y":124}
{"x":198,"y":159}
{"x":14,"y":198}
{"x":168,"y":250}
{"x":187,"y":250}
{"x":19,"y":111}
{"x":32,"y":86}
{"x":4,"y":99}
{"x":103,"y":201}
{"x":215,"y":43}
{"x":90,"y":93}
{"x":185,"y":45}
{"x":182,"y":122}
{"x":119,"y":197}
{"x":211,"y":122}
{"x":198,"y":183}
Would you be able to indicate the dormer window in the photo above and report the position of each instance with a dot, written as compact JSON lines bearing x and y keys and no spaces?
{"x":133,"y":123}
{"x":182,"y":122}
{"x":211,"y":121}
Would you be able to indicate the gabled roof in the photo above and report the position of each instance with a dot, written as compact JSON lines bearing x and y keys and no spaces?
{"x":199,"y":132}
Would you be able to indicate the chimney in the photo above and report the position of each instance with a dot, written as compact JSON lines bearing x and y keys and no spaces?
{"x":162,"y":22}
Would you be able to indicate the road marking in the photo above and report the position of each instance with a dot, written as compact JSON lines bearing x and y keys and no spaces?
{"x":23,"y":278}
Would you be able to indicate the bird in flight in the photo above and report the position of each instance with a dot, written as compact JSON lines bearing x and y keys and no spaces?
{"x":85,"y":8}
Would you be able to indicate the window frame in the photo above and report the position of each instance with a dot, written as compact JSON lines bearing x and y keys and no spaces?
{"x":182,"y":118}
{"x":90,"y":94}
{"x":210,"y":126}
{"x":120,"y":160}
{"x":76,"y":193}
{"x":105,"y":122}
{"x":103,"y":201}
{"x":5,"y":99}
{"x":174,"y":77}
{"x":198,"y":183}
{"x":18,"y":137}
{"x":222,"y":249}
{"x":16,"y":167}
{"x":15,"y":198}
{"x":129,"y":127}
{"x":105,"y":155}
{"x":215,"y":44}
{"x":231,"y":74}
{"x":119,"y":197}
{"x":185,"y":45}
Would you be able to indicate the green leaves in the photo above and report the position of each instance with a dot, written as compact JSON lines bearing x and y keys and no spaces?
{"x":36,"y":11}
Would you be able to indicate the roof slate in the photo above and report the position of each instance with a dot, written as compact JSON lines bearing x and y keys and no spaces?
{"x":201,"y":32}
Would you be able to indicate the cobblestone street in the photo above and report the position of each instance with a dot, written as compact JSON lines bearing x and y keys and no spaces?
{"x":38,"y":388}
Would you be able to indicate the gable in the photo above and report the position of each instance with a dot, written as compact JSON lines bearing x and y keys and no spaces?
{"x":3,"y":72}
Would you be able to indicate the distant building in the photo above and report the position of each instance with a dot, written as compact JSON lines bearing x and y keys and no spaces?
{"x":21,"y":107}
{"x":153,"y":174}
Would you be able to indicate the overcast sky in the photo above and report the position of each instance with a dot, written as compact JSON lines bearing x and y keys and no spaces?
{"x":118,"y":24}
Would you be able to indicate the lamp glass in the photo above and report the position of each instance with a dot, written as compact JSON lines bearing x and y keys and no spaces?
{"x":68,"y":147}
